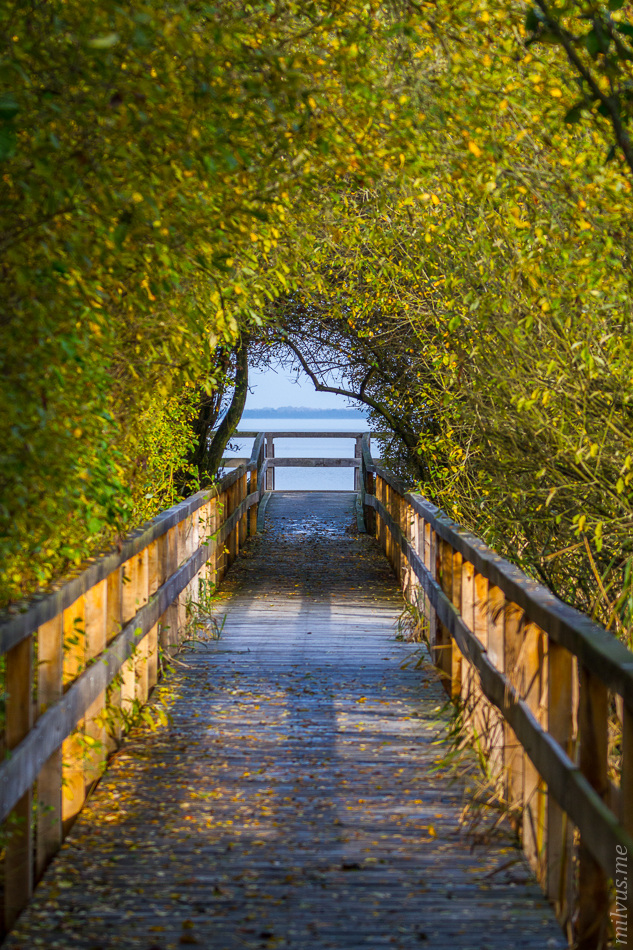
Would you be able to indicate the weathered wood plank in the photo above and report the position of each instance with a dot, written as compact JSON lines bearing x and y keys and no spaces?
{"x":18,"y":864}
{"x":294,"y":800}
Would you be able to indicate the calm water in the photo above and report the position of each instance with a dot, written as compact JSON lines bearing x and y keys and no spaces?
{"x":325,"y":479}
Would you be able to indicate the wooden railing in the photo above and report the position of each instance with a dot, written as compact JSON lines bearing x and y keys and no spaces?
{"x":545,"y":692}
{"x":272,"y":462}
{"x":81,"y":660}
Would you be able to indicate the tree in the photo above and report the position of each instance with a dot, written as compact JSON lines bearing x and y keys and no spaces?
{"x":149,"y":163}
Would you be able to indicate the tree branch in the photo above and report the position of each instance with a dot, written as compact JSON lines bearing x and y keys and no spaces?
{"x":409,"y":438}
{"x":610,"y":103}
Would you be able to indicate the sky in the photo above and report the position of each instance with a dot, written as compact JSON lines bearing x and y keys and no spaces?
{"x":275,"y":387}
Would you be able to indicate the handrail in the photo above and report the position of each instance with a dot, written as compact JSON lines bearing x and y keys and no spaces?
{"x":502,"y":640}
{"x":95,"y":641}
{"x":270,"y":462}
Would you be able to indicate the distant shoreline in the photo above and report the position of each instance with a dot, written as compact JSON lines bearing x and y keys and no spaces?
{"x":303,"y":412}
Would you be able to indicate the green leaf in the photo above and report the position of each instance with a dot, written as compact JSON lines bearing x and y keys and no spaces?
{"x":625,"y":28}
{"x":615,"y":4}
{"x":120,"y":233}
{"x":575,"y":113}
{"x":104,"y":42}
{"x":8,"y":142}
{"x":8,"y":107}
{"x":597,"y":41}
{"x":593,"y":44}
{"x":533,"y":19}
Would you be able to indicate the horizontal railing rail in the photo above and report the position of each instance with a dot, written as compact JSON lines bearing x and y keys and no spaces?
{"x":80,"y":660}
{"x":542,"y":688}
{"x":271,"y":462}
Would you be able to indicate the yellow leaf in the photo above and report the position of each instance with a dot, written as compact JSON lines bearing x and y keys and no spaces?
{"x":474,"y":148}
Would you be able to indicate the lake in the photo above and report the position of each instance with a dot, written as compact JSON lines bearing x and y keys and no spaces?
{"x":307,"y":479}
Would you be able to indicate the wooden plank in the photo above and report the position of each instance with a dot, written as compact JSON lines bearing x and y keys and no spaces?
{"x":19,"y":772}
{"x":252,"y":513}
{"x":601,"y":831}
{"x":154,"y":581}
{"x":443,"y":647}
{"x":298,"y":796}
{"x":96,"y":617}
{"x":470,"y":694}
{"x":534,"y":819}
{"x":456,"y":656}
{"x":270,"y":455}
{"x":600,"y":651}
{"x":593,"y":892}
{"x":14,"y":627}
{"x":74,"y":661}
{"x":50,"y":651}
{"x":495,"y":738}
{"x":129,"y":596}
{"x":114,"y":624}
{"x":560,"y":727}
{"x":430,"y":553}
{"x":244,"y":518}
{"x":18,"y":862}
{"x":622,"y":882}
{"x":141,"y":657}
{"x":222,"y":515}
{"x":170,"y":619}
{"x":513,"y":665}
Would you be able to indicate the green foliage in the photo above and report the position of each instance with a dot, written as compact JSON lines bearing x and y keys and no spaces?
{"x":487,"y":287}
{"x":422,"y":191}
{"x":149,"y":160}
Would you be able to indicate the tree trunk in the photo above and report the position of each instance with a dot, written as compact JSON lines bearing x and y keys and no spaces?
{"x":211,"y":460}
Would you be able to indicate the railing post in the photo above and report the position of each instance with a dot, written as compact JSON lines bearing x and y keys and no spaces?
{"x":270,"y":454}
{"x":96,"y":622}
{"x":443,"y":652}
{"x":233,"y":534}
{"x":430,"y":563}
{"x":49,"y":780}
{"x":169,"y":623}
{"x":534,"y":795}
{"x":593,"y":894}
{"x":496,"y":652}
{"x":141,"y":655}
{"x":221,"y":516}
{"x":560,"y":725}
{"x":243,"y":519}
{"x":154,"y":581}
{"x":114,"y":608}
{"x":369,"y":512}
{"x":252,"y":511}
{"x":481,"y":707}
{"x":513,"y":666}
{"x":358,"y":453}
{"x":128,"y":670}
{"x":469,"y":676}
{"x":18,"y":886}
{"x":182,"y":537}
{"x":381,"y":529}
{"x":73,"y":794}
{"x":626,"y":789}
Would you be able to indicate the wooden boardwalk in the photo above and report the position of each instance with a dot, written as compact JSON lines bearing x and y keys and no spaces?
{"x":292,"y":802}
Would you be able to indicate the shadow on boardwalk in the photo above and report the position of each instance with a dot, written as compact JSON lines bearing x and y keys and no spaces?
{"x":292,"y":801}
